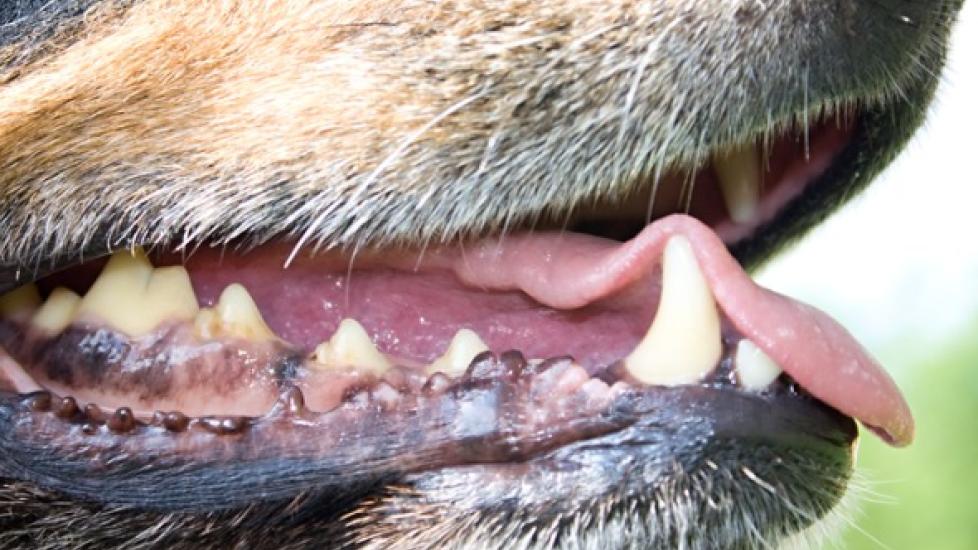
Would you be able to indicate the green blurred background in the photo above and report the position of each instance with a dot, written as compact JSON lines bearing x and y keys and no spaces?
{"x":899,"y":268}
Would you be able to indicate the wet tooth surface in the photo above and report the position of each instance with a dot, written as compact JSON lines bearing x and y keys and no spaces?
{"x":235,"y":315}
{"x":683,"y":343}
{"x":739,"y":173}
{"x":351,"y":346}
{"x":465,"y":345}
{"x":57,"y":312}
{"x":133,"y":297}
{"x":755,"y":370}
{"x":20,"y":303}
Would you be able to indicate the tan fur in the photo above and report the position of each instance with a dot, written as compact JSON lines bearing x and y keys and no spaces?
{"x":377,"y":122}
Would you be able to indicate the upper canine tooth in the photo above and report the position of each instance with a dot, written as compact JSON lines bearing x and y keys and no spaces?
{"x":465,"y":345}
{"x":235,"y":315}
{"x":20,"y":302}
{"x":351,"y":346}
{"x":132,"y":297}
{"x":755,"y":370}
{"x":739,"y":173}
{"x":57,"y":312}
{"x":683,"y":343}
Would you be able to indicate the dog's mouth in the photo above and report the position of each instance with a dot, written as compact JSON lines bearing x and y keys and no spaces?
{"x":625,"y":315}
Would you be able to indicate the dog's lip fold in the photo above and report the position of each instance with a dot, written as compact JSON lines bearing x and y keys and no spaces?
{"x":565,"y":270}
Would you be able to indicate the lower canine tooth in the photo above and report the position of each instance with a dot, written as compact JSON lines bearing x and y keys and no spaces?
{"x":20,"y":302}
{"x":57,"y":312}
{"x":351,"y":346}
{"x":683,"y":343}
{"x":755,"y":370}
{"x":739,"y":173}
{"x":465,"y":345}
{"x":236,"y":315}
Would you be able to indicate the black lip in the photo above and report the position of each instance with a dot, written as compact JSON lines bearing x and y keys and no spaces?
{"x":881,"y":132}
{"x":657,"y":427}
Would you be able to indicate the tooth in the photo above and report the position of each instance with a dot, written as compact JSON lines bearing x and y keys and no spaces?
{"x":20,"y":302}
{"x":351,"y":346}
{"x":755,"y":370}
{"x":739,"y":173}
{"x":57,"y":312}
{"x":235,"y":315}
{"x":465,"y":345}
{"x":683,"y":343}
{"x":134,"y":298}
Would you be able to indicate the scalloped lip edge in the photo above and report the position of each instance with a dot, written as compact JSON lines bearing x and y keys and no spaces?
{"x":815,"y":350}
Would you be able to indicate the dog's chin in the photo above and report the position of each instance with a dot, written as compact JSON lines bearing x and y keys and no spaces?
{"x":605,"y":374}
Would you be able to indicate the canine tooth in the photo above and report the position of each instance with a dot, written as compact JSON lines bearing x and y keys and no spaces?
{"x":235,"y":315}
{"x":351,"y":346}
{"x":57,"y":312}
{"x":683,"y":343}
{"x":134,"y":298}
{"x":755,"y":370}
{"x":465,"y":345}
{"x":20,"y":302}
{"x":739,"y":173}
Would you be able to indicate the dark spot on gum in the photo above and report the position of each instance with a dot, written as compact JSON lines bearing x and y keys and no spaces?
{"x":436,"y":384}
{"x":547,"y":364}
{"x":295,"y":402}
{"x":224,"y":425}
{"x":482,"y":366}
{"x":175,"y":421}
{"x":67,"y":408}
{"x":513,"y":363}
{"x":39,"y":402}
{"x":80,"y":357}
{"x":122,"y":420}
{"x":288,"y":367}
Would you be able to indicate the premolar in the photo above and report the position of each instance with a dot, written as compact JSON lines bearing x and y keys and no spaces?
{"x":235,"y":315}
{"x":351,"y":346}
{"x":755,"y":370}
{"x":57,"y":312}
{"x":465,"y":345}
{"x":133,"y":297}
{"x":683,"y":344}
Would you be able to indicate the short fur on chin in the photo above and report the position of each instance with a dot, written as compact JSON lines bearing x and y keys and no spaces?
{"x":397,"y":516}
{"x":369,"y":122}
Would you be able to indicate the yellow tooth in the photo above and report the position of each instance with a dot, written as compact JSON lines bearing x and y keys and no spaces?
{"x":236,"y":315}
{"x":755,"y":370}
{"x":20,"y":303}
{"x":683,"y":343}
{"x":130,"y":296}
{"x":57,"y":312}
{"x":351,"y":346}
{"x":739,"y":173}
{"x":465,"y":345}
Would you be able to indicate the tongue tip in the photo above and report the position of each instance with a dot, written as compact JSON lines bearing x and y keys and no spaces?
{"x":897,"y":434}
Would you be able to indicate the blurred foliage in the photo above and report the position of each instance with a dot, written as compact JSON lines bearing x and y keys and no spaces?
{"x":926,"y":496}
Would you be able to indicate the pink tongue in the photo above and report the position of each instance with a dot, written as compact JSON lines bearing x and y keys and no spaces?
{"x":563,"y":293}
{"x":565,"y":270}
